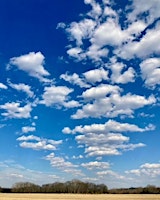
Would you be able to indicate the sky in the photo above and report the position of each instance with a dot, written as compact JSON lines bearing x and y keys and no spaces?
{"x":79,"y":91}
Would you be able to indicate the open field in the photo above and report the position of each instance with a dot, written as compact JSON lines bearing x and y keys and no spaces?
{"x":77,"y":197}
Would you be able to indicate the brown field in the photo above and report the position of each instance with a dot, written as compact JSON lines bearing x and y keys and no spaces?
{"x":77,"y":197}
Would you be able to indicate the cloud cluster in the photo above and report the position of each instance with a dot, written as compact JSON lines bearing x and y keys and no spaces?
{"x":37,"y":143}
{"x":107,"y":37}
{"x":124,"y":52}
{"x":149,"y":170}
{"x":106,"y":139}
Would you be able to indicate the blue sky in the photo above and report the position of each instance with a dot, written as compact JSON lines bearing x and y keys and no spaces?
{"x":80,"y":91}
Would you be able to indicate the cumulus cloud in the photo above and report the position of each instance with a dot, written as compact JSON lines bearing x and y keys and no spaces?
{"x":75,"y":80}
{"x":58,"y":96}
{"x":105,"y":139}
{"x":112,"y":46}
{"x":150,"y":69}
{"x":37,"y":143}
{"x":100,"y":91}
{"x":109,"y":126}
{"x":14,"y":110}
{"x":106,"y":101}
{"x":22,"y":87}
{"x":81,"y":30}
{"x":96,"y":75}
{"x":150,"y":170}
{"x":140,"y":7}
{"x":31,"y":63}
{"x":118,"y":77}
{"x":143,"y":48}
{"x":105,"y":34}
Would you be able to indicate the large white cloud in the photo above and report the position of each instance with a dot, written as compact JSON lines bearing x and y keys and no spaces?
{"x":58,"y":96}
{"x":96,"y":75}
{"x":32,"y":63}
{"x":140,"y":7}
{"x":146,"y":46}
{"x":106,"y":101}
{"x":109,"y":126}
{"x":14,"y":110}
{"x":150,"y":69}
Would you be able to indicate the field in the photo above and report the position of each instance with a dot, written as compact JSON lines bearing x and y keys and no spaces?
{"x":77,"y":197}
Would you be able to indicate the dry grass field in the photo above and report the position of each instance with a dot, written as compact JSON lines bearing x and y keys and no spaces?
{"x":77,"y":197}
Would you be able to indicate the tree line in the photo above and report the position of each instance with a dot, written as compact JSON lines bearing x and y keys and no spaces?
{"x":74,"y":186}
{"x":77,"y":187}
{"x":149,"y":189}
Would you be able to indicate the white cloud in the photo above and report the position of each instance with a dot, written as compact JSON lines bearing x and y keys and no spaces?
{"x":22,"y":87}
{"x":71,"y":104}
{"x":29,"y":137}
{"x":13,"y":110}
{"x":13,"y":172}
{"x":105,"y":139}
{"x":110,"y":173}
{"x":31,"y":63}
{"x":76,"y":52}
{"x":149,"y":170}
{"x":2,"y":86}
{"x":150,"y":69}
{"x":78,"y":157}
{"x":37,"y":143}
{"x":58,"y":96}
{"x":81,"y":30}
{"x":148,"y":45}
{"x":63,"y":165}
{"x":96,"y":165}
{"x":109,"y":126}
{"x":100,"y":91}
{"x":106,"y":101}
{"x":96,"y":75}
{"x":26,"y":129}
{"x":119,"y":77}
{"x":101,"y":28}
{"x":66,"y":130}
{"x":75,"y":80}
{"x":96,"y":9}
{"x":109,"y":33}
{"x":140,"y":7}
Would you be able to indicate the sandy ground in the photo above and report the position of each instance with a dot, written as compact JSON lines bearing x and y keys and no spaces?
{"x":76,"y":197}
